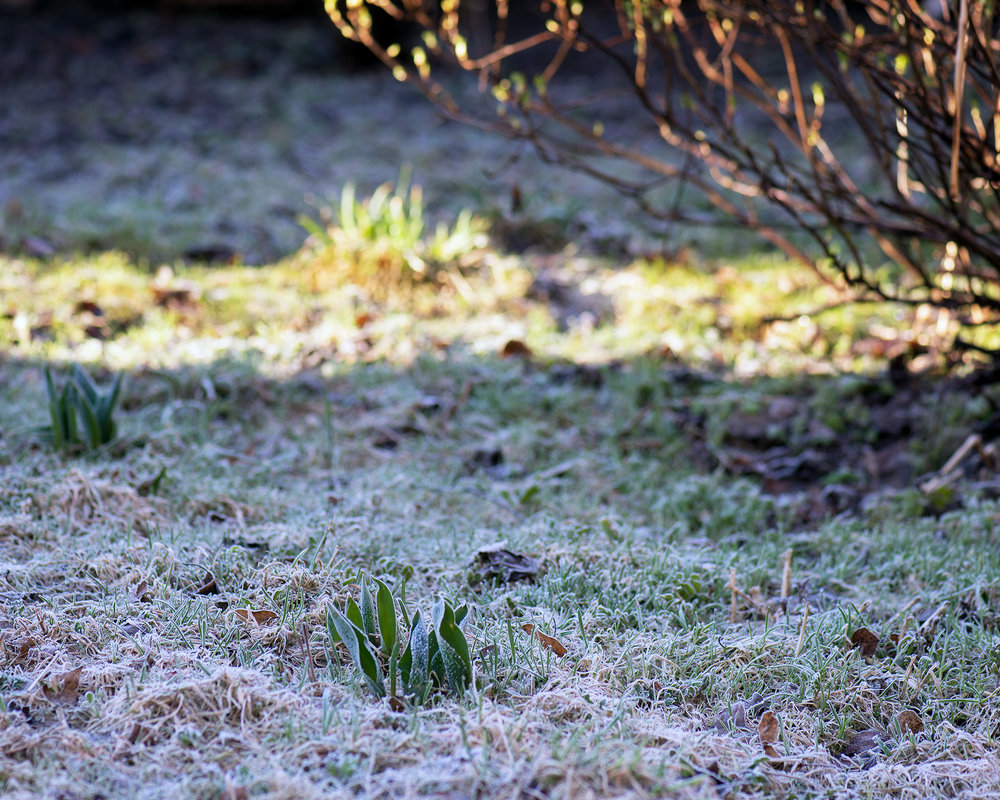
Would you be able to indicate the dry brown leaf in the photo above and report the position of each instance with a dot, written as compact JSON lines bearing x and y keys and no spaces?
{"x":24,"y":650}
{"x":396,"y":704}
{"x":768,"y":728}
{"x":174,"y":298}
{"x":488,"y":651}
{"x":208,"y":585}
{"x":260,"y":617}
{"x":909,"y":721}
{"x":65,"y":688}
{"x":231,"y":792}
{"x":515,"y":348}
{"x":496,"y":563}
{"x":863,"y":742}
{"x":866,"y":640}
{"x":142,"y":593}
{"x":546,"y":641}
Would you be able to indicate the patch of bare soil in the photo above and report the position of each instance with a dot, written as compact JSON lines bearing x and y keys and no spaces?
{"x":835,"y":450}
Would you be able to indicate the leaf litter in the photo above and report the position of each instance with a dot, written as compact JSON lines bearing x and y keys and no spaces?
{"x":497,"y":563}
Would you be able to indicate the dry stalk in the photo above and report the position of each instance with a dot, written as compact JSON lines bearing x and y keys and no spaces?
{"x":786,"y":575}
{"x":802,"y":631}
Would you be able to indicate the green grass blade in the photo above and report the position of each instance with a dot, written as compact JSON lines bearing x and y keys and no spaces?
{"x":331,"y":626}
{"x":106,"y":408}
{"x":369,"y":623}
{"x":385,"y":608}
{"x":414,"y":665}
{"x":50,"y":385}
{"x":58,"y":430}
{"x":437,"y":674}
{"x":359,"y":649}
{"x":85,"y":383}
{"x":88,"y":417}
{"x":377,"y":203}
{"x":315,"y":229}
{"x":348,"y":221}
{"x":67,"y":417}
{"x":453,"y":646}
{"x":56,"y":411}
{"x":354,"y":614}
{"x":456,"y":670}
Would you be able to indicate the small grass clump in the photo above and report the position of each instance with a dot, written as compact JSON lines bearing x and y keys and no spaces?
{"x":382,"y":243}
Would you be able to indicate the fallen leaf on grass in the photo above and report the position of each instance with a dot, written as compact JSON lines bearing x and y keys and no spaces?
{"x":24,"y":650}
{"x":909,"y":721}
{"x":863,"y":742}
{"x":515,"y":348}
{"x":209,"y":586}
{"x":497,"y":563}
{"x":174,"y":295}
{"x":260,"y":617}
{"x":137,"y":733}
{"x":768,"y":731}
{"x":488,"y":459}
{"x":142,"y":593}
{"x":866,"y":640}
{"x":488,"y":651}
{"x":183,"y":298}
{"x":546,"y":641}
{"x":65,"y":688}
{"x":232,"y":792}
{"x":736,"y":716}
{"x":151,"y":486}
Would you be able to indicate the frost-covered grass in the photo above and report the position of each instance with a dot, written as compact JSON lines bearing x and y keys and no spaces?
{"x":279,"y":434}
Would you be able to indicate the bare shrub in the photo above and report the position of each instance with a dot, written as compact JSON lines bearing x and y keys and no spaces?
{"x":861,"y":139}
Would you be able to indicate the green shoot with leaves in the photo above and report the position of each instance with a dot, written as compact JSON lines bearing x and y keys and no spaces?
{"x":81,"y":414}
{"x":436,"y":654}
{"x":385,"y":238}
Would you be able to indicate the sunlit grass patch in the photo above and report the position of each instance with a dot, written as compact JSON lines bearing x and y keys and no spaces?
{"x":385,"y":243}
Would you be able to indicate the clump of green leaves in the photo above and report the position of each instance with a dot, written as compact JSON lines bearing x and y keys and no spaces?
{"x":81,"y":414}
{"x":436,"y":653}
{"x":383,"y":240}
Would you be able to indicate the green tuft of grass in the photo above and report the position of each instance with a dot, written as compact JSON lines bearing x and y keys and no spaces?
{"x":384,"y":242}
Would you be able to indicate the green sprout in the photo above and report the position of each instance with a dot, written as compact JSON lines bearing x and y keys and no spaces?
{"x":436,"y":654}
{"x":384,"y":241}
{"x":81,"y":414}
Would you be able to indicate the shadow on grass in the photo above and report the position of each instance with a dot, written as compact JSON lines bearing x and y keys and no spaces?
{"x":526,"y":436}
